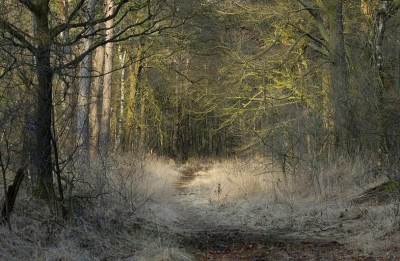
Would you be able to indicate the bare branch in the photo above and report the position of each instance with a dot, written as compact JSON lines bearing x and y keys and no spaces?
{"x":16,"y":34}
{"x":69,"y":25}
{"x":318,"y":18}
{"x":28,"y":5}
{"x":324,"y":51}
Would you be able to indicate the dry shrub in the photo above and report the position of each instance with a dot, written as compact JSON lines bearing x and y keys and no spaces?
{"x":339,"y":178}
{"x":237,"y":178}
{"x":123,"y":185}
{"x":116,"y":215}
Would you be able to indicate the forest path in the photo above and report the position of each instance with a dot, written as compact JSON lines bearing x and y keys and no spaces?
{"x":218,"y":229}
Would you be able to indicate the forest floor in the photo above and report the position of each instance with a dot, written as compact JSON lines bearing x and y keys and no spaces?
{"x":155,"y":210}
{"x":213,"y":223}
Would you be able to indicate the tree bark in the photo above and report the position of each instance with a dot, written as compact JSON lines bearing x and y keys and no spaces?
{"x":346,"y":132}
{"x":333,"y":46}
{"x":142,"y":120}
{"x":44,"y":100}
{"x":176,"y":130}
{"x":95,"y":98}
{"x":68,"y":88}
{"x":120,"y":120}
{"x":82,"y":121}
{"x":380,"y":26}
{"x":131,"y":103}
{"x":104,"y":138}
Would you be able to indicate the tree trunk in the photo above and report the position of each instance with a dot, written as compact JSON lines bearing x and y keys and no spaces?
{"x":176,"y":130}
{"x":332,"y":44}
{"x":68,"y":93}
{"x":82,"y":121}
{"x":346,"y":132}
{"x":131,"y":103}
{"x":96,"y":90}
{"x":380,"y":23}
{"x":104,"y":138}
{"x":120,"y":120}
{"x":44,"y":101}
{"x":142,"y":120}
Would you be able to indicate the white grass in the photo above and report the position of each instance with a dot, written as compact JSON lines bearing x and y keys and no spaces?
{"x":140,"y":214}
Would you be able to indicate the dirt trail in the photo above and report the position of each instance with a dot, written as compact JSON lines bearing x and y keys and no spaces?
{"x":220,"y":230}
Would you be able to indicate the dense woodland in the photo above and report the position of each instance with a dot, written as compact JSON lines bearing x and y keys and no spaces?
{"x":298,"y":82}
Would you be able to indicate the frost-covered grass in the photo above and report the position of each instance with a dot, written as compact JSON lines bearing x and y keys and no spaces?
{"x":136,"y":212}
{"x":121,"y":220}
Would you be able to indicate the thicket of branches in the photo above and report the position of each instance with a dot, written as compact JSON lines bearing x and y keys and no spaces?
{"x":299,"y":82}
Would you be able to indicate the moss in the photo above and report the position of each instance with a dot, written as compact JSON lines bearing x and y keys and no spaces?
{"x":383,"y":192}
{"x":37,"y":191}
{"x":387,"y":186}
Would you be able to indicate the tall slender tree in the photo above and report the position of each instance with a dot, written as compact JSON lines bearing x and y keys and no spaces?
{"x":83,"y":93}
{"x":104,"y":138}
{"x":42,"y":39}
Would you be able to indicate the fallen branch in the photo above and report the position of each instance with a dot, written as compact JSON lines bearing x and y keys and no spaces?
{"x":12,"y":195}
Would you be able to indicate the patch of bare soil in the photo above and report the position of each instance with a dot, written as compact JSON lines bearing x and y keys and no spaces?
{"x":215,"y":229}
{"x":187,"y":175}
{"x":238,"y":246}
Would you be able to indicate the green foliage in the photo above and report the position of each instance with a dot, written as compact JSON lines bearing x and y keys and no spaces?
{"x":37,"y":191}
{"x":381,"y":190}
{"x":387,"y":186}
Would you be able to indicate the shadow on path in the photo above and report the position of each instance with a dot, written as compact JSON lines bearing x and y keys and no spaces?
{"x":234,"y":245}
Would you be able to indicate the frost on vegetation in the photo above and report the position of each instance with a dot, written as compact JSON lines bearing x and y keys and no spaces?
{"x":147,"y":213}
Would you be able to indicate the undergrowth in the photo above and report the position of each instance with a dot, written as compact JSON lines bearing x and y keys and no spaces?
{"x":133,"y":210}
